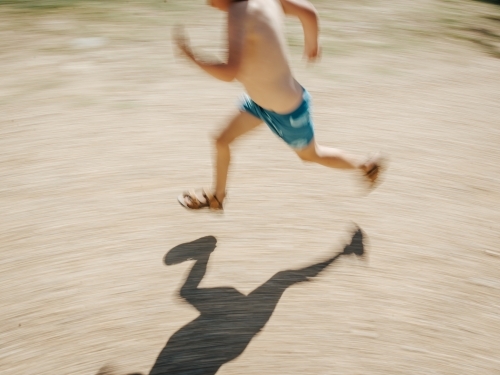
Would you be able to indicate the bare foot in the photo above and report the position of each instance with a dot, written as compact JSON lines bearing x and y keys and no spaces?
{"x":373,"y":168}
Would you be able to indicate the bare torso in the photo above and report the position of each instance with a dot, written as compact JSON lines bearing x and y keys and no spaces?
{"x":264,"y":71}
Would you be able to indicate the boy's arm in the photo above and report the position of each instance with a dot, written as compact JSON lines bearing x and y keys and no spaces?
{"x":223,"y":71}
{"x":308,"y":16}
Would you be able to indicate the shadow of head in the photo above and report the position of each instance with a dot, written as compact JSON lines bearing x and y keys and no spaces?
{"x":190,"y":250}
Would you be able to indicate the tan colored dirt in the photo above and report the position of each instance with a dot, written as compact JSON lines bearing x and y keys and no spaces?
{"x":102,"y":126}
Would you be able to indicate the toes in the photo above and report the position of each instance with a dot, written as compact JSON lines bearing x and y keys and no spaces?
{"x":372,"y":174}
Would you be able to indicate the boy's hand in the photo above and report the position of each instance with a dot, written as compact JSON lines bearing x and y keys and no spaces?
{"x":312,"y":53}
{"x":182,"y":41}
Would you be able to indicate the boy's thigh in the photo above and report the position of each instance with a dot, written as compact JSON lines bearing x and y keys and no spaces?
{"x":308,"y":152}
{"x":240,"y":124}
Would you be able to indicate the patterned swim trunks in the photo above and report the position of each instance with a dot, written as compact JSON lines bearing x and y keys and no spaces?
{"x":295,"y":128}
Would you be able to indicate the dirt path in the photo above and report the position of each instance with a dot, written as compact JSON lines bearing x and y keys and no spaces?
{"x":101,"y":127}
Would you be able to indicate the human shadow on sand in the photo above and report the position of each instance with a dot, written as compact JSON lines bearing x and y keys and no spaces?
{"x":228,"y":319}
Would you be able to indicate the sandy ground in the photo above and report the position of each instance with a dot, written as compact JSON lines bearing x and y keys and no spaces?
{"x":102,"y":126}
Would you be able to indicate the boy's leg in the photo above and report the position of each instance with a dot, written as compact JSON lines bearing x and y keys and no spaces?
{"x":336,"y":158}
{"x":242,"y":123}
{"x":330,"y":157}
{"x":189,"y":290}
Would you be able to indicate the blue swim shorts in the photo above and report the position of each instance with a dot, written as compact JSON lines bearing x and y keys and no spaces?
{"x":295,"y":128}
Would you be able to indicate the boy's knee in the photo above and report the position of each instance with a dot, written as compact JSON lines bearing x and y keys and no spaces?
{"x":221,"y":141}
{"x":307,"y":156}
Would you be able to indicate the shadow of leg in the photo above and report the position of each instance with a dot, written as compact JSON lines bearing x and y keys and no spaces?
{"x":356,"y":246}
{"x":190,"y":250}
{"x":263,"y":300}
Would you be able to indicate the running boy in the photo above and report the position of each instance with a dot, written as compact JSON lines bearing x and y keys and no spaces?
{"x":257,"y":58}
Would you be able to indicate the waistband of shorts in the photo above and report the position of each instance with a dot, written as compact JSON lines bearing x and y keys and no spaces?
{"x":304,"y":104}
